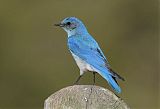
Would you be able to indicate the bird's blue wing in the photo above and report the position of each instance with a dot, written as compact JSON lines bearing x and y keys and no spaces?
{"x":89,"y":51}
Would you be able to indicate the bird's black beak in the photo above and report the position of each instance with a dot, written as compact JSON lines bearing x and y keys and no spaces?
{"x":59,"y":24}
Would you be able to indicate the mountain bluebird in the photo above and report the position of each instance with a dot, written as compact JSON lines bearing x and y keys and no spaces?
{"x":87,"y":53}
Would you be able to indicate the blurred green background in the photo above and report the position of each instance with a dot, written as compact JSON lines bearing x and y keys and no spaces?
{"x":35,"y":61}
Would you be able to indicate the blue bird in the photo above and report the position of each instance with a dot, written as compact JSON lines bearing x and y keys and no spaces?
{"x":87,"y":53}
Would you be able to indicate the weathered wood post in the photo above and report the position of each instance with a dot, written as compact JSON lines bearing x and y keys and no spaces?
{"x":84,"y":97}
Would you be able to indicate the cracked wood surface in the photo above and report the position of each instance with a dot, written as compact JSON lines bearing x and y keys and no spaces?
{"x":84,"y":97}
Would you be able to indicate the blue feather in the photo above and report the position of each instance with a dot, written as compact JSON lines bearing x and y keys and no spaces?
{"x":87,"y":52}
{"x":86,"y":49}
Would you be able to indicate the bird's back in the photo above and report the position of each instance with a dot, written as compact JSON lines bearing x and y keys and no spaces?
{"x":87,"y":49}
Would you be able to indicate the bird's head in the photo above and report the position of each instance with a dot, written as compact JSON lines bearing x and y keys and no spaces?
{"x":72,"y":26}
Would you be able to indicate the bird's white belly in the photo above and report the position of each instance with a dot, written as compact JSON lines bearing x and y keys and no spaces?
{"x":83,"y":66}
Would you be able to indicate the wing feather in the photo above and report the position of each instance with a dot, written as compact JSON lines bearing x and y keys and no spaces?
{"x":89,"y":51}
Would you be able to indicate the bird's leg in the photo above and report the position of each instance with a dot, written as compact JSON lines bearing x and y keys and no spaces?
{"x":94,"y":78}
{"x":77,"y":79}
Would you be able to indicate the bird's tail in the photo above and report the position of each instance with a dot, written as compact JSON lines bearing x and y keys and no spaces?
{"x":111,"y":80}
{"x":110,"y":76}
{"x":113,"y":83}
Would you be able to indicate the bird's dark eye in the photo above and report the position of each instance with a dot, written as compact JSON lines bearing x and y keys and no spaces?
{"x":68,"y":23}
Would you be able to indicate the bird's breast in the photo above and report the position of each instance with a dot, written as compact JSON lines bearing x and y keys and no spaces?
{"x":83,"y":65}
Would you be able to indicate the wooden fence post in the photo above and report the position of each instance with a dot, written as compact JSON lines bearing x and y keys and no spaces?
{"x":84,"y":97}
